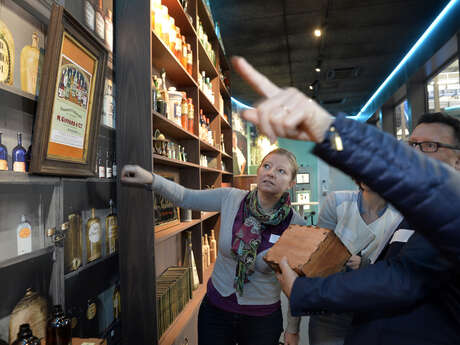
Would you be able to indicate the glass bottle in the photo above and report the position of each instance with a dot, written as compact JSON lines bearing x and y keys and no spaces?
{"x":72,"y":243}
{"x":189,"y":59}
{"x":109,"y":29}
{"x":172,"y":34}
{"x":191,"y":116}
{"x":108,"y":166}
{"x":116,"y":298}
{"x":24,"y":236}
{"x":93,"y":237}
{"x":114,"y":165}
{"x":183,"y":61}
{"x":111,"y":231}
{"x":178,"y":44}
{"x":29,"y":66}
{"x":100,"y":165}
{"x":184,"y":111}
{"x":3,"y":155}
{"x":58,"y":330}
{"x":155,"y":12}
{"x":165,"y":25}
{"x":28,"y":157}
{"x":189,"y":261}
{"x":6,"y":55}
{"x":19,"y":156}
{"x":100,"y":23}
{"x":89,"y":14}
{"x":205,"y":252}
{"x":212,"y":247}
{"x":25,"y":336}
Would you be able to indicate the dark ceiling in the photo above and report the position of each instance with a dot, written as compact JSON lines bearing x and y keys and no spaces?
{"x":363,"y":40}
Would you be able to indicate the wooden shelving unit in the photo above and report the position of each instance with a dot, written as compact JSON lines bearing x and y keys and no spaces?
{"x":162,"y":248}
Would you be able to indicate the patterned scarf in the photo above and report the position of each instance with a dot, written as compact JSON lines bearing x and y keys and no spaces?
{"x":248,"y":238}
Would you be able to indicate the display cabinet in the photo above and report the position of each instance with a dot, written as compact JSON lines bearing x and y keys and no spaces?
{"x":195,"y":153}
{"x":33,"y":208}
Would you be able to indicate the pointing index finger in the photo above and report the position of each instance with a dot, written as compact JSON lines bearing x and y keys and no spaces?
{"x":260,"y":83}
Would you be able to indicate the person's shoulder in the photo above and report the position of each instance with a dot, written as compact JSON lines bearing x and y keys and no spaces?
{"x":344,"y":196}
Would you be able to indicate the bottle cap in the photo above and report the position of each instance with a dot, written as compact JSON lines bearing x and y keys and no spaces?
{"x":23,"y":219}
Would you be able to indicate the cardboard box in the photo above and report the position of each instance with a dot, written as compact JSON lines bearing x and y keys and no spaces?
{"x":311,"y":251}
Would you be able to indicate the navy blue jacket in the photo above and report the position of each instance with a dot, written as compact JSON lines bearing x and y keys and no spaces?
{"x":410,"y":296}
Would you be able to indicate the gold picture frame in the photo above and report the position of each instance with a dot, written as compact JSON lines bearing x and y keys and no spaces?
{"x":70,"y":103}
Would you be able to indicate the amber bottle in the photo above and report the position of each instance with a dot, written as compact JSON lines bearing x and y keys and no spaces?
{"x":58,"y":330}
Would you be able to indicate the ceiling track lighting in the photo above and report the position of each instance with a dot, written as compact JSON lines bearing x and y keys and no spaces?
{"x":317,"y":32}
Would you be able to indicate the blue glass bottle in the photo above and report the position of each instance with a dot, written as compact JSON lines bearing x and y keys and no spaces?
{"x":19,"y":156}
{"x":3,"y":155}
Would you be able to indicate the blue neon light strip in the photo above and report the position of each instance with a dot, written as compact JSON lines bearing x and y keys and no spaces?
{"x":242,"y":105}
{"x":363,"y":115}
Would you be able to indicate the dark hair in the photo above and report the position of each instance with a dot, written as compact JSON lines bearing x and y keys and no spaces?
{"x":445,"y":119}
{"x":289,"y":155}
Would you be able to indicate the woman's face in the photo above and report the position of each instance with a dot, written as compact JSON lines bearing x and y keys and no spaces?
{"x":274,"y":175}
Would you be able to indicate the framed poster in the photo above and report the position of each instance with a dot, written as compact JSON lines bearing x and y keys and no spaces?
{"x":70,"y":103}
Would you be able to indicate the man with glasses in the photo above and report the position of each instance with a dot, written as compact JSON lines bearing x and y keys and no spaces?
{"x":411,"y":295}
{"x":438,"y":136}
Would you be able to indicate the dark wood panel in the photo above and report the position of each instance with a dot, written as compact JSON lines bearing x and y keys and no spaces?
{"x":244,"y":181}
{"x":134,"y":141}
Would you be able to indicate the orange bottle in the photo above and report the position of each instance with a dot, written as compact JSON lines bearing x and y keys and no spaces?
{"x":184,"y":111}
{"x":189,"y":59}
{"x":191,"y":116}
{"x":178,"y":45}
{"x":183,"y":61}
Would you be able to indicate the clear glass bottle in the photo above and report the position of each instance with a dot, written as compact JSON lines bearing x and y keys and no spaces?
{"x":89,"y":14}
{"x":30,"y":56}
{"x":212,"y":247}
{"x":189,"y":261}
{"x":3,"y":155}
{"x":19,"y":156}
{"x":114,"y":165}
{"x":58,"y":330}
{"x":93,"y":237}
{"x":100,"y":22}
{"x":100,"y":165}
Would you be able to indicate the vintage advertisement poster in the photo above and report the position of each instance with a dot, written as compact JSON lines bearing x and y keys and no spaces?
{"x":71,"y":113}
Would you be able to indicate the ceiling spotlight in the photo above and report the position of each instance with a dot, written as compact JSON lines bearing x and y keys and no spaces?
{"x":318,"y":69}
{"x":317,"y":32}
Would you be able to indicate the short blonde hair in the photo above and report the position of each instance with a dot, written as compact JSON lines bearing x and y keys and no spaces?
{"x":289,"y":155}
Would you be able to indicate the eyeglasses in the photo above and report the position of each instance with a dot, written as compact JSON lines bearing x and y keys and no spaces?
{"x":430,"y":146}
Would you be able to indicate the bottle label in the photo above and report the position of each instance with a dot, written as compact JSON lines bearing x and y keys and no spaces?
{"x":19,"y":166}
{"x":3,"y":164}
{"x":114,"y":170}
{"x":108,"y":172}
{"x":24,"y":240}
{"x":101,"y":172}
{"x":94,"y":233}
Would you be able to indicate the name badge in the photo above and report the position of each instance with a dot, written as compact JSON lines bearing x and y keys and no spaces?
{"x":273,"y":238}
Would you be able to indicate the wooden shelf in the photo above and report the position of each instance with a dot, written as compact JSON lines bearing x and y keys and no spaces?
{"x":176,"y":11}
{"x":170,"y":335}
{"x":162,"y":57}
{"x":163,"y":235}
{"x":170,"y":128}
{"x":204,"y":146}
{"x":210,"y":170}
{"x":226,"y":172}
{"x":15,"y":98}
{"x":207,"y":215}
{"x":14,"y":177}
{"x":173,"y":162}
{"x":226,"y":155}
{"x":224,"y":122}
{"x":206,"y":104}
{"x":89,"y":265}
{"x":206,"y":63}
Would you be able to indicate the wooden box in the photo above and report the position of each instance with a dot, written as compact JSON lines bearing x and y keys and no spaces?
{"x":311,"y":251}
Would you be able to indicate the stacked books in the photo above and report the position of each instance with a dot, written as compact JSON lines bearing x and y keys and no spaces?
{"x":174,"y":290}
